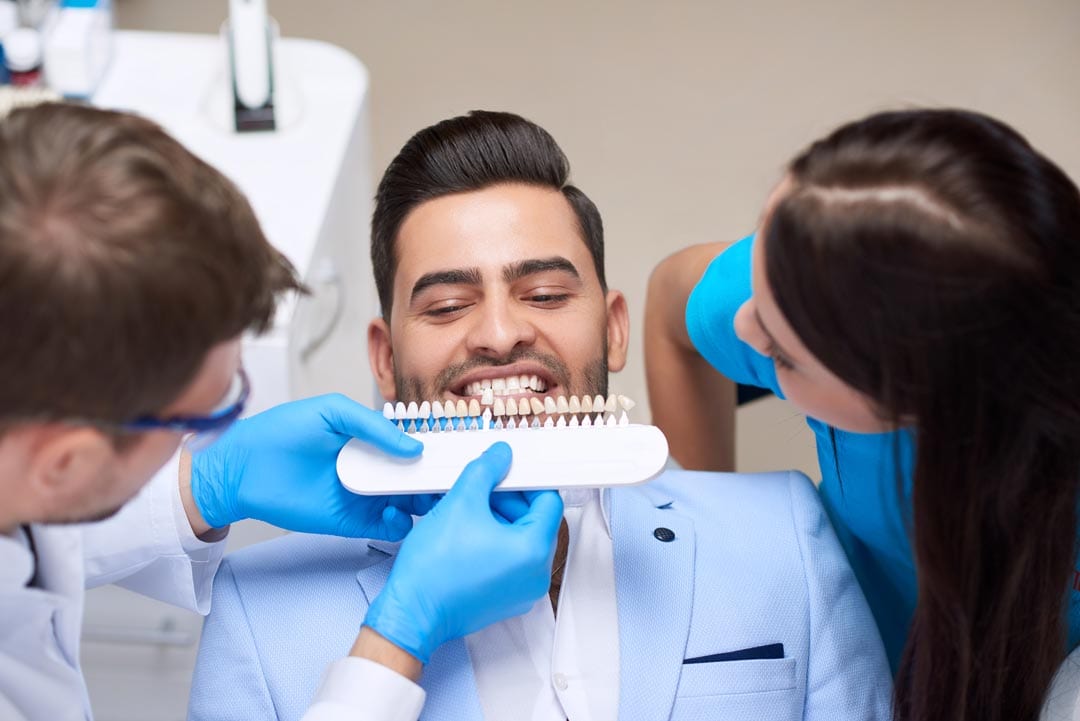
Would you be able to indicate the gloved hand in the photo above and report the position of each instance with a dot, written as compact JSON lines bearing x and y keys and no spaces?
{"x":280,"y":467}
{"x":465,"y":567}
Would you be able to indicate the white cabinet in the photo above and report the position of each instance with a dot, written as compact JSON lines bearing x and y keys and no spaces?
{"x":310,"y":185}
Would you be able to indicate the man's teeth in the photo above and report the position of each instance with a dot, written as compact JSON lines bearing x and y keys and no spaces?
{"x":506,"y":386}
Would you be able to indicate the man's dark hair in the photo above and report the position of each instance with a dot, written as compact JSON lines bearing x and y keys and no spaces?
{"x":463,"y":154}
{"x":123,"y":260}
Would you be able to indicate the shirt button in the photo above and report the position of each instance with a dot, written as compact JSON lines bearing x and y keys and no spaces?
{"x":560,"y":681}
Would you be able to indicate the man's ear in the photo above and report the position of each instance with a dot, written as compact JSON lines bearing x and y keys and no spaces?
{"x":64,"y":463}
{"x":618,"y":330}
{"x":381,"y":357}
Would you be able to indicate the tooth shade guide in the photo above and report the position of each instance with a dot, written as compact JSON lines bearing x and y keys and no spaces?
{"x":388,"y":411}
{"x":554,"y":412}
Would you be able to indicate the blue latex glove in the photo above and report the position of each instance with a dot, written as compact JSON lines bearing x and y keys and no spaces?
{"x":280,"y":467}
{"x":464,"y":566}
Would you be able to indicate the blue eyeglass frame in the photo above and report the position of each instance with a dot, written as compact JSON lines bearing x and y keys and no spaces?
{"x":197,"y":424}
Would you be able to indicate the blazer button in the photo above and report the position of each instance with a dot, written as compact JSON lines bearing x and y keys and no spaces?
{"x":664,"y":534}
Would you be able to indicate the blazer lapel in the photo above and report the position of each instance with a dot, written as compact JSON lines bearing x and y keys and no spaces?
{"x":654,"y":583}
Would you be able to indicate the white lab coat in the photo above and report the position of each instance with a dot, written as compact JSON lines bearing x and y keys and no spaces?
{"x":149,"y":548}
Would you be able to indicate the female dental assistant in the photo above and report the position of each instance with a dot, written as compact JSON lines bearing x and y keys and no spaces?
{"x":915,"y":290}
{"x":128,"y":271}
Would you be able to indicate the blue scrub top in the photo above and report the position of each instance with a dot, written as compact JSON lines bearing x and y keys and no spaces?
{"x":866,"y":478}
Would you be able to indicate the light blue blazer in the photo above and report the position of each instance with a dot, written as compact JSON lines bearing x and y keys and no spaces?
{"x":754,"y":563}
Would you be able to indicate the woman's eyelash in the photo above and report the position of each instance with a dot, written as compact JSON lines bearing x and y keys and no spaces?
{"x":779,"y":358}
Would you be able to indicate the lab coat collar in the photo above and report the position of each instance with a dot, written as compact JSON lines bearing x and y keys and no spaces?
{"x":16,"y":561}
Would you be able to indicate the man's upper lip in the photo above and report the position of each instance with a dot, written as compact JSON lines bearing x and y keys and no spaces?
{"x":514,"y":369}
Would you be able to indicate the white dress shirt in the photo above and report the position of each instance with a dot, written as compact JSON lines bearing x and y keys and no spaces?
{"x":537,"y":667}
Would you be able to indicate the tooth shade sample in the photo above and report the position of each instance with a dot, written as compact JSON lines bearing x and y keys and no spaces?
{"x":499,"y":407}
{"x":586,"y":404}
{"x":437,"y":410}
{"x":575,"y":404}
{"x":561,"y":406}
{"x":449,"y":409}
{"x":537,"y":406}
{"x":598,"y":403}
{"x":425,"y":409}
{"x":474,"y":407}
{"x":511,"y":407}
{"x":462,"y":409}
{"x":523,"y":407}
{"x":626,"y":403}
{"x":612,"y":404}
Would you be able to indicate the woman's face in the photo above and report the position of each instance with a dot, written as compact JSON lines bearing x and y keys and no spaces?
{"x":806,"y":383}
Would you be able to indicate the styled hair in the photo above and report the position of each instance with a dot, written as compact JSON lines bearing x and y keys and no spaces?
{"x":467,"y":153}
{"x":123,"y":260}
{"x":931,"y":259}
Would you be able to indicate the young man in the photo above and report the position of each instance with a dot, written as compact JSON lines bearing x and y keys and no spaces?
{"x":695,"y":596}
{"x":128,"y":271}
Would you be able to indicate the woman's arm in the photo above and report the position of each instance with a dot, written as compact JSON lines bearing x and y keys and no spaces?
{"x":692,"y":403}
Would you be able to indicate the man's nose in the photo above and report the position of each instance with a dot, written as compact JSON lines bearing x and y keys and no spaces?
{"x":499,"y":328}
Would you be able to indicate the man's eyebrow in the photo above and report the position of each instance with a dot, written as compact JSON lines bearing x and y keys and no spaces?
{"x":772,"y":340}
{"x":456,"y":276}
{"x":516,"y":271}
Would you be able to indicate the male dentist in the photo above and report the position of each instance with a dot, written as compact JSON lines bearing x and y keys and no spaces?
{"x":694,"y":596}
{"x":128,"y":271}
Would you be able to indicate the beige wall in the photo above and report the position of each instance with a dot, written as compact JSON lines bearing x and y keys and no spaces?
{"x":678,"y":116}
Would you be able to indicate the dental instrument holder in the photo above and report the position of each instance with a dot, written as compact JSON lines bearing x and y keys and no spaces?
{"x":596,"y":455}
{"x":250,"y":38}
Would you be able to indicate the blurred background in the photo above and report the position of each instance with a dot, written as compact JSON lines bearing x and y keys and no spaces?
{"x":678,"y":116}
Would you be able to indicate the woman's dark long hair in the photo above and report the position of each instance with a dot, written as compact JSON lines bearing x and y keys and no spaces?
{"x":931,"y":259}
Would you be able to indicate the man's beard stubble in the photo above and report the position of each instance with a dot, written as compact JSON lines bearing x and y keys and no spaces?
{"x":594,"y":376}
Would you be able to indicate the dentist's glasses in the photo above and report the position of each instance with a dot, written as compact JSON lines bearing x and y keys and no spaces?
{"x":206,"y":429}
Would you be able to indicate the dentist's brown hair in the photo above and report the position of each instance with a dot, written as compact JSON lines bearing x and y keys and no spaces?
{"x":123,"y":260}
